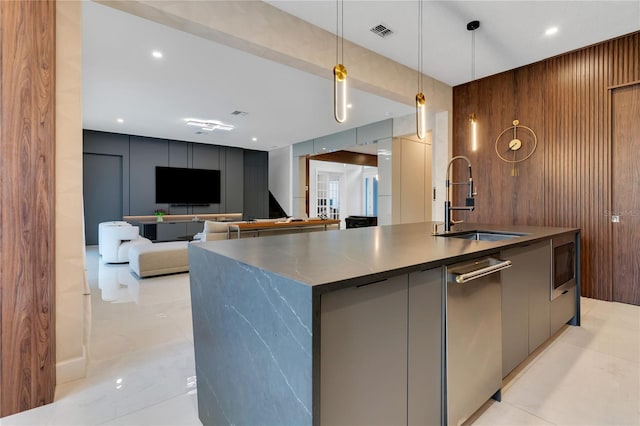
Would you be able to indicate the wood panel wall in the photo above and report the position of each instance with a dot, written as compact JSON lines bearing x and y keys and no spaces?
{"x":27,"y":343}
{"x":567,"y":181}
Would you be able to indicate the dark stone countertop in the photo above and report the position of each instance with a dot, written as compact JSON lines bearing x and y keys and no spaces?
{"x":335,"y":259}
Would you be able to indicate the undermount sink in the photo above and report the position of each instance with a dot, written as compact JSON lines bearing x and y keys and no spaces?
{"x":484,"y":235}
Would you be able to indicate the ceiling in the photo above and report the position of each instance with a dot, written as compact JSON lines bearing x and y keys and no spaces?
{"x":197,"y":78}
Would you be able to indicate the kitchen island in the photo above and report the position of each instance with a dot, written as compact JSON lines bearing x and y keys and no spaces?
{"x":352,"y":326}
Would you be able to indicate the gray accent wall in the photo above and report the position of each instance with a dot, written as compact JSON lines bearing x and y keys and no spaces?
{"x":102,"y":191}
{"x":243,"y":175}
{"x":256,"y":200}
{"x":145,"y":155}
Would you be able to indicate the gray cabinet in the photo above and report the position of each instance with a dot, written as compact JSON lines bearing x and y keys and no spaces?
{"x":363,"y":354}
{"x":381,"y":352}
{"x":525,"y":302}
{"x":424,"y":348}
{"x":515,"y":309}
{"x":194,"y":227}
{"x":563,"y":308}
{"x":170,"y":231}
{"x":539,"y":289}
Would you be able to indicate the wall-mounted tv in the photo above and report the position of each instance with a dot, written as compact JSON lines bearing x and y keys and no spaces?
{"x":175,"y":185}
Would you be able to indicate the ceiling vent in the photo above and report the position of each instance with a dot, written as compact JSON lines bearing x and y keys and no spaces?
{"x":239,"y":113}
{"x":381,"y":30}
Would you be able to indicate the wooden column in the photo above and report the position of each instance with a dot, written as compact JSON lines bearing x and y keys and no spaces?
{"x":27,"y":311}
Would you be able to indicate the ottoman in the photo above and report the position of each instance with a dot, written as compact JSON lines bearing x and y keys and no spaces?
{"x":148,"y":260}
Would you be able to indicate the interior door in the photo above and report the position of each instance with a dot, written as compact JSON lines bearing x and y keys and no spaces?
{"x":102,"y":192}
{"x":625,"y":125}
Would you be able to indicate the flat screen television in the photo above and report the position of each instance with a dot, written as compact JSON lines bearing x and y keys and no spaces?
{"x":176,"y":185}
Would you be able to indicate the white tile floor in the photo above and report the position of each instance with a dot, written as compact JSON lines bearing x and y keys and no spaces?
{"x":141,"y":369}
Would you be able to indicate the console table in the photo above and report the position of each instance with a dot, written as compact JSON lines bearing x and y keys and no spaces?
{"x":274,"y":227}
{"x":168,"y":230}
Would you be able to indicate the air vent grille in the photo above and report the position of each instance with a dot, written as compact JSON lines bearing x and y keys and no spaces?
{"x":381,"y":30}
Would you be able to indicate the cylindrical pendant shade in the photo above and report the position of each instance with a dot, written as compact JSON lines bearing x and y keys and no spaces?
{"x":474,"y":137}
{"x":340,"y":93}
{"x":421,"y":115}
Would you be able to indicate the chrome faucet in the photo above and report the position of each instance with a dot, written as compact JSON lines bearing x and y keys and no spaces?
{"x":470,"y":201}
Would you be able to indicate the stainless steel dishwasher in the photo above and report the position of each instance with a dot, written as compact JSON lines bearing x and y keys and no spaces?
{"x":473,"y":366}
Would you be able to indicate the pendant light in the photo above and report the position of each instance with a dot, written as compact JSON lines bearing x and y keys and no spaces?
{"x":421,"y":101}
{"x":473,"y":26}
{"x":340,"y":71}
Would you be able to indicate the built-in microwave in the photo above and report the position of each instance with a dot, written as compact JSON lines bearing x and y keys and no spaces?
{"x":563,"y":264}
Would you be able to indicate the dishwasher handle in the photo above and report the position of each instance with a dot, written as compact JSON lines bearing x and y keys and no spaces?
{"x":482,"y":272}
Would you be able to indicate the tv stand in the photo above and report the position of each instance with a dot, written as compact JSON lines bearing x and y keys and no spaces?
{"x":169,"y":230}
{"x":176,"y":227}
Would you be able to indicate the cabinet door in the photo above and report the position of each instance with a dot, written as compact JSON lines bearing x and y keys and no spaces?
{"x":539,"y":294}
{"x":525,"y":302}
{"x":563,"y":308}
{"x":194,"y":227}
{"x":425,"y":348}
{"x":170,"y":231}
{"x":363,"y":354}
{"x":515,"y":309}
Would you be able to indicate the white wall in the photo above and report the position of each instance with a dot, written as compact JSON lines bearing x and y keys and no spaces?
{"x":280,"y":177}
{"x":73,"y":302}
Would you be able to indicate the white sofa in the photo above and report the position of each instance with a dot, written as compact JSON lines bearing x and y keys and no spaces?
{"x":116,"y":241}
{"x":148,"y":260}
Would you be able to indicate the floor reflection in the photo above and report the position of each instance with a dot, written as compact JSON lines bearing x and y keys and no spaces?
{"x":117,"y":283}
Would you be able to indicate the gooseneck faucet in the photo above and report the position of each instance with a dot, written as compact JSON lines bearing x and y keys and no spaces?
{"x":470,"y":201}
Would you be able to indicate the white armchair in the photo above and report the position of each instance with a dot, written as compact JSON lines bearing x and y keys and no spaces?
{"x":213,"y":231}
{"x":116,"y":241}
{"x":102,"y":226}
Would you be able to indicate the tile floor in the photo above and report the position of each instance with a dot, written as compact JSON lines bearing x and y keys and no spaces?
{"x":141,"y":369}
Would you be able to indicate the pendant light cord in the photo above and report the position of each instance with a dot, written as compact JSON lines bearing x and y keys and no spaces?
{"x":420,"y":45}
{"x":473,"y":55}
{"x":339,"y":30}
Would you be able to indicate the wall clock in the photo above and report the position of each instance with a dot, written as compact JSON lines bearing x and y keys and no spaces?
{"x":516,"y":149}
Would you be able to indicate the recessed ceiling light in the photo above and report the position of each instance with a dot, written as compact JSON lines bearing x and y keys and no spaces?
{"x":156,"y":54}
{"x":120,"y":120}
{"x":551,"y":31}
{"x":349,"y":105}
{"x":254,"y":139}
